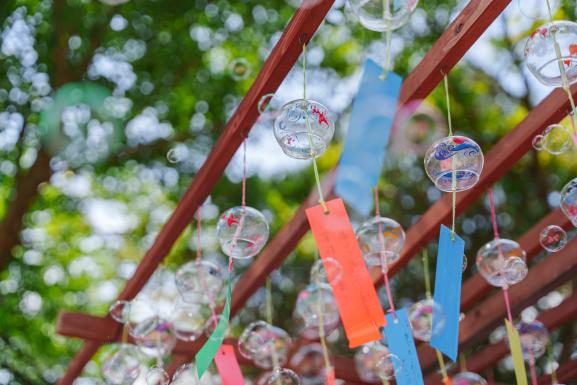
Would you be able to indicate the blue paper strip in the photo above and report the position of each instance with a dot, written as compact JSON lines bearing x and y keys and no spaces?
{"x":372,"y":116}
{"x":400,"y":341}
{"x":448,"y":279}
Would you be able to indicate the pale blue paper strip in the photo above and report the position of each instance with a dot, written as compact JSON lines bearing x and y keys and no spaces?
{"x":370,"y":125}
{"x":448,"y":279}
{"x":400,"y":341}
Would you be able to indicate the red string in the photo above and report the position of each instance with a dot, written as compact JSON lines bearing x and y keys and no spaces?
{"x":244,"y":173}
{"x":532,"y":368}
{"x":497,"y":236}
{"x":384,"y":266}
{"x":493,"y":214}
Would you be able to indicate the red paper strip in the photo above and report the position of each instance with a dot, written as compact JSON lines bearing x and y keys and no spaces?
{"x":356,"y":297}
{"x":330,"y":376}
{"x":228,"y":367}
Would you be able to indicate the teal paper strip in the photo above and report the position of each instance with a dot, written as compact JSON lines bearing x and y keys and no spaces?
{"x":206,"y":354}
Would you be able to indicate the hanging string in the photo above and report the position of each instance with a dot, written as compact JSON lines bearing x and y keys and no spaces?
{"x":453,"y":171}
{"x":244,"y":173}
{"x":564,"y":79}
{"x":497,"y":237}
{"x":440,"y":360}
{"x":269,"y":319}
{"x":388,"y":38}
{"x":463,"y":362}
{"x":322,"y":337}
{"x":552,"y":362}
{"x":310,"y":136}
{"x":384,"y":262}
{"x":211,"y":300}
{"x":124,"y":339}
{"x":532,"y":368}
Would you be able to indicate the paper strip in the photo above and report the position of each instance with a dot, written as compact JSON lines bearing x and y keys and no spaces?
{"x":400,"y":340}
{"x":356,"y":297}
{"x":208,"y":351}
{"x":369,"y":130}
{"x":330,"y":376}
{"x":228,"y":366}
{"x":448,"y":293}
{"x":516,"y":353}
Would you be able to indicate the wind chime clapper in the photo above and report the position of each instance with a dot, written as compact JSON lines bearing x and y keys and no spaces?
{"x":551,"y":56}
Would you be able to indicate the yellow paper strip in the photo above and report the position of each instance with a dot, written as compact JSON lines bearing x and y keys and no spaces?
{"x":516,"y":353}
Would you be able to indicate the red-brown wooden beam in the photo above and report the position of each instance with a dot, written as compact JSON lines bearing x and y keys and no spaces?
{"x":299,"y":31}
{"x":489,"y":356}
{"x":553,"y":271}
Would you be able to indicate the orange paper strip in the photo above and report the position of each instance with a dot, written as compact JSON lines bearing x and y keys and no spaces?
{"x":356,"y":297}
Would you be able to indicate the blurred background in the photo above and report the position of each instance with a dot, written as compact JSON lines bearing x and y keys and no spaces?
{"x":79,"y":205}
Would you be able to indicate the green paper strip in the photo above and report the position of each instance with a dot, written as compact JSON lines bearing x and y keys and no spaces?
{"x":206,"y":354}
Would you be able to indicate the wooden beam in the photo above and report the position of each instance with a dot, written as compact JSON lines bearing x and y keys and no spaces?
{"x":553,"y":271}
{"x":461,"y":34}
{"x":299,"y":31}
{"x":489,"y":356}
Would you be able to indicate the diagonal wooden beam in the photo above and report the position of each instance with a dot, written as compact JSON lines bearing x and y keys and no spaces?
{"x":299,"y":31}
{"x":553,"y":271}
{"x":489,"y":356}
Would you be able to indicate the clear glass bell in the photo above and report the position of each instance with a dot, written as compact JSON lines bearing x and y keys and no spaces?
{"x":457,"y":153}
{"x":313,"y":300}
{"x":553,"y":238}
{"x":242,"y":232}
{"x":283,"y":376}
{"x":421,"y":319}
{"x":199,"y":281}
{"x":260,"y":340}
{"x":188,"y":320}
{"x":159,"y":341}
{"x":380,"y":239}
{"x":502,"y":262}
{"x":383,"y":15}
{"x":468,"y":378}
{"x":534,"y":339}
{"x":367,"y":360}
{"x":304,"y":129}
{"x":569,"y":201}
{"x":556,"y":139}
{"x":541,"y":55}
{"x":121,"y":365}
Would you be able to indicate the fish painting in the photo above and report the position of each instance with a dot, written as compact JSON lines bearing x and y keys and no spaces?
{"x":446,"y":150}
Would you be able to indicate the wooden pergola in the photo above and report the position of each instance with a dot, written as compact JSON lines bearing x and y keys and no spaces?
{"x":484,"y":308}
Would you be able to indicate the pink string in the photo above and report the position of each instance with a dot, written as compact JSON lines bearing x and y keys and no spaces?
{"x":384,"y":266}
{"x":507,"y":304}
{"x":497,"y":236}
{"x":493,"y":214}
{"x":532,"y":368}
{"x":244,"y":173}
